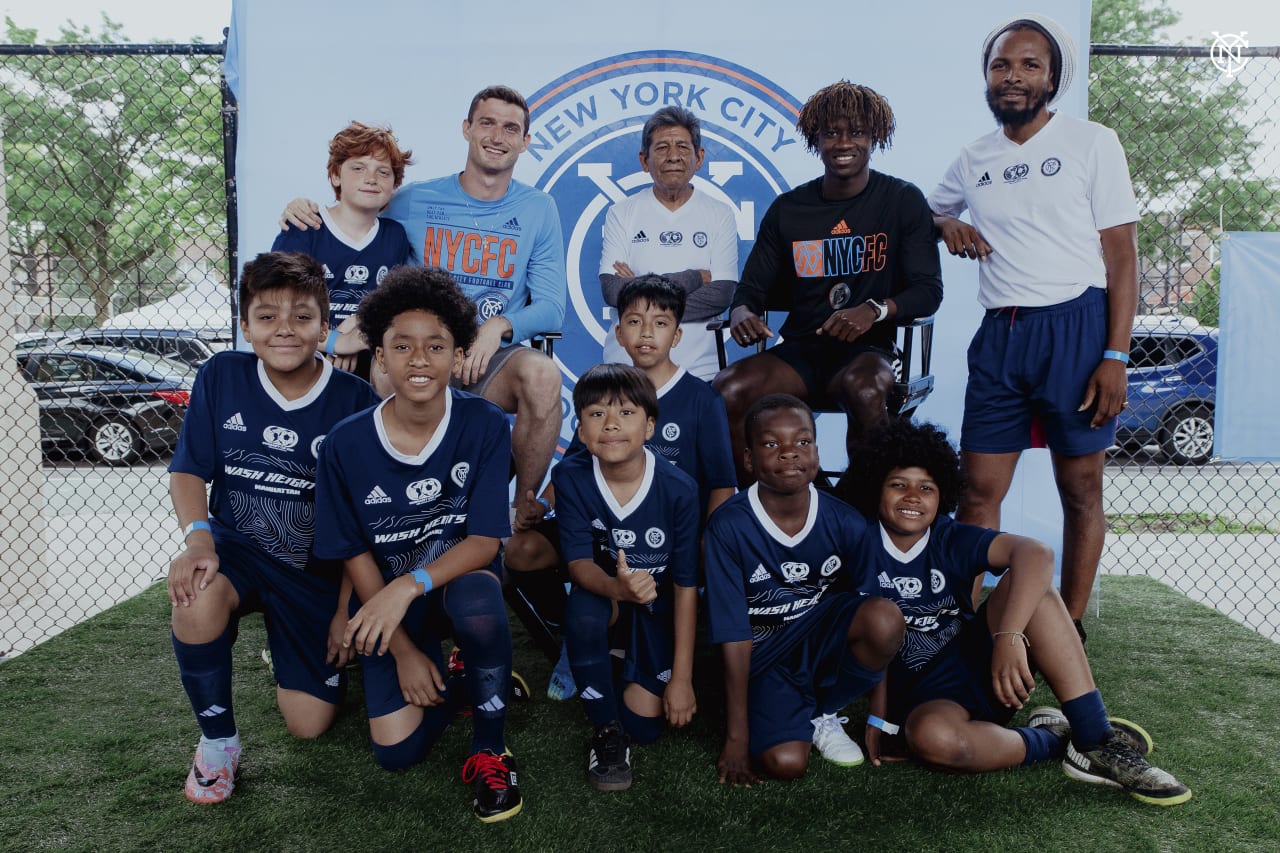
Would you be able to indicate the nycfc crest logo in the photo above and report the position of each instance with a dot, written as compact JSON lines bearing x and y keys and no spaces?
{"x":459,"y":474}
{"x":490,"y":305}
{"x":655,"y":537}
{"x":1050,"y":167}
{"x":315,"y":446}
{"x":584,"y":138}
{"x":830,"y":566}
{"x":422,"y":491}
{"x":382,"y":273}
{"x":279,"y":438}
{"x":671,"y":431}
{"x":936,"y":581}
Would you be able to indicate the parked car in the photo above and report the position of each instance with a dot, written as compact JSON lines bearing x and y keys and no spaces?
{"x":189,"y":346}
{"x":1173,"y":373}
{"x":112,"y":404}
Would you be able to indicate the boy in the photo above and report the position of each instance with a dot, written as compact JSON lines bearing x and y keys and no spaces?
{"x":356,"y":246}
{"x":412,"y":496}
{"x":797,"y":647}
{"x":629,"y":532}
{"x":960,"y":676}
{"x":692,"y":432}
{"x":251,"y":435}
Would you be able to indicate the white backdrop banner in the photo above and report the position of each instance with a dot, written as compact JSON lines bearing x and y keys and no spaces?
{"x":1247,"y":411}
{"x":592,"y":73}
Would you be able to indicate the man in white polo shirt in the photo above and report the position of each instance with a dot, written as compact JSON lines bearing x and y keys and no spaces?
{"x":675,"y":231}
{"x":1054,"y":224}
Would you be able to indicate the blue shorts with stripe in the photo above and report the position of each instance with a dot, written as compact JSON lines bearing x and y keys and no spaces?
{"x":1028,"y":364}
{"x":296,"y":607}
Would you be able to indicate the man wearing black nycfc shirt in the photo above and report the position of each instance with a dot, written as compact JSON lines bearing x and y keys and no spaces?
{"x":855,"y":252}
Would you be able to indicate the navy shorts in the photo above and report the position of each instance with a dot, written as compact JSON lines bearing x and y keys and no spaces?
{"x":960,"y":673}
{"x":297,"y":608}
{"x":817,"y":359}
{"x":782,"y":699}
{"x":648,"y":641}
{"x":1028,"y":364}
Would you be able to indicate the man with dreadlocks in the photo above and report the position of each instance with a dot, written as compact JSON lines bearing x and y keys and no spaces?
{"x":1054,"y":226}
{"x":851,"y":254}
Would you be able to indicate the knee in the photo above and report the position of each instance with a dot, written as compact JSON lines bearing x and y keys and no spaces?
{"x":310,"y":727}
{"x":878,"y":629}
{"x":940,"y":746}
{"x":787,"y":762}
{"x":528,"y":552}
{"x":540,"y":380}
{"x":206,"y":618}
{"x":735,"y":386}
{"x":867,"y":386}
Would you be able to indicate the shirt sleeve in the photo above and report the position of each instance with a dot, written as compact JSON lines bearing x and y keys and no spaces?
{"x":684,"y":554}
{"x":571,"y":516}
{"x":546,"y":278}
{"x":197,"y":449}
{"x":1110,"y":189}
{"x":947,"y":197}
{"x":398,"y":210}
{"x":339,"y":533}
{"x":613,"y":242}
{"x":727,"y":617}
{"x":761,"y":269}
{"x":724,"y":245}
{"x":715,"y":453}
{"x":487,"y":506}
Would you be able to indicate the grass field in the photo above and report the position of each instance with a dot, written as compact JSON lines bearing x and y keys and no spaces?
{"x":96,"y":736}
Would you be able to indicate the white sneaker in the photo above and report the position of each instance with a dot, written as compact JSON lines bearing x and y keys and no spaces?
{"x":832,"y":742}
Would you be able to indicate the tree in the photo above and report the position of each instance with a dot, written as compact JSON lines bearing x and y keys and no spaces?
{"x":112,"y":160}
{"x":1186,"y":130}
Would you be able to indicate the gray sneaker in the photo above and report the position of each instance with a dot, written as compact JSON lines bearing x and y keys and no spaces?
{"x":1054,"y":719}
{"x":609,"y":761}
{"x":1117,"y":763}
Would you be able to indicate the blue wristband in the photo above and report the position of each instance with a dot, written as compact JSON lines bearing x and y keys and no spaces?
{"x":331,"y":342}
{"x":1116,"y":355}
{"x":193,"y":527}
{"x":421,"y":576}
{"x":877,"y":723}
{"x":550,"y":511}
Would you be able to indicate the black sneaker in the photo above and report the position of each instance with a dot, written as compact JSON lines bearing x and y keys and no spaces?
{"x":1055,"y":721}
{"x":609,"y":761}
{"x":497,"y":793}
{"x":1117,"y":763}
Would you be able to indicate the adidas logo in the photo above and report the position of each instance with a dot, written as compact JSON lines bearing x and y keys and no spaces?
{"x":985,"y":180}
{"x":333,"y":680}
{"x":213,"y":711}
{"x":235,"y":422}
{"x":760,"y":575}
{"x":512,"y":224}
{"x":885,"y":581}
{"x":640,"y":237}
{"x":590,"y":693}
{"x":493,"y":706}
{"x":841,"y":228}
{"x":377,"y":496}
{"x":327,"y":274}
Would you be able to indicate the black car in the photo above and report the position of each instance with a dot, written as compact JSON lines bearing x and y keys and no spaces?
{"x":112,"y":404}
{"x":189,"y":346}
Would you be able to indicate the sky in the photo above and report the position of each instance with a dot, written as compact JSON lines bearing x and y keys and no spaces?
{"x":176,"y":20}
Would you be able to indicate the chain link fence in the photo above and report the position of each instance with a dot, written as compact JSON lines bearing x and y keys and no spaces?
{"x":113,"y":218}
{"x":115,"y":198}
{"x":1205,"y":159}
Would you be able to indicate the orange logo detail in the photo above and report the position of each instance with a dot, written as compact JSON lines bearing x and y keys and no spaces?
{"x":841,"y":228}
{"x":808,"y":258}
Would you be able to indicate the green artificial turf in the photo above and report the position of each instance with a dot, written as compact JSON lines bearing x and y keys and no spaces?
{"x":96,"y":736}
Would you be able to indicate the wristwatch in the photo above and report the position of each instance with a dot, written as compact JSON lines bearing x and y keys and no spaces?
{"x":881,"y":308}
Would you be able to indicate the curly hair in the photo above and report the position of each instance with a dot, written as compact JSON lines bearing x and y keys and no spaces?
{"x":901,"y":443}
{"x":845,"y":100}
{"x":281,"y":270}
{"x":613,"y":383}
{"x":363,"y":140}
{"x":412,"y":288}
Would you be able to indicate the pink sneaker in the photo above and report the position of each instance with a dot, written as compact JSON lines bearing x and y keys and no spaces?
{"x":212,"y":777}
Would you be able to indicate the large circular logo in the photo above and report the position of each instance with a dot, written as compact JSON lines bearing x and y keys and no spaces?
{"x":585,"y":139}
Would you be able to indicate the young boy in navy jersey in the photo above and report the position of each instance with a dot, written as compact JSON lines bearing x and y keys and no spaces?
{"x":356,"y":246}
{"x":251,"y":435}
{"x":960,"y":676}
{"x":691,"y":432}
{"x":629,"y":532}
{"x":798,"y":644}
{"x":412,"y":495}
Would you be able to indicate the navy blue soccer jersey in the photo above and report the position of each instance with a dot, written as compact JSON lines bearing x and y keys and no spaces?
{"x":408,"y":510}
{"x":352,"y":269}
{"x":931,"y":584}
{"x":761,"y":583}
{"x":657,"y":528}
{"x":258,"y":450}
{"x":692,"y":433}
